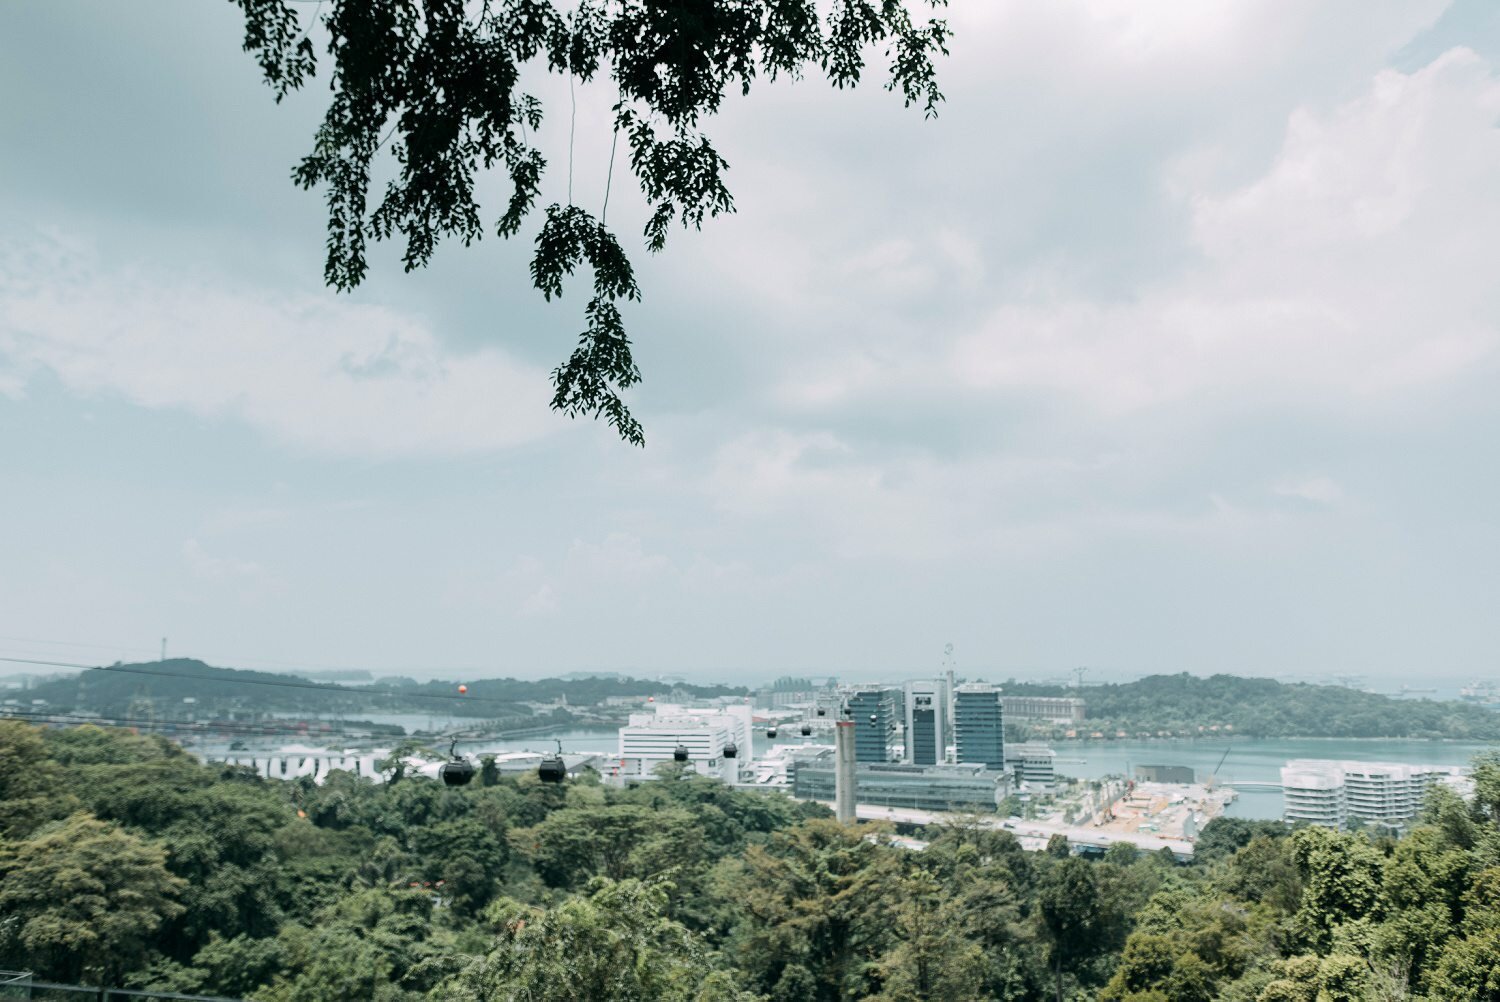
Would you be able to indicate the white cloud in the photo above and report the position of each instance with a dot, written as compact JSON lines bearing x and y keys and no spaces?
{"x":314,"y":371}
{"x":620,"y":558}
{"x":1349,"y":276}
{"x":542,"y":602}
{"x":1353,"y":271}
{"x":1318,"y":489}
{"x":995,"y":510}
{"x":584,"y":572}
{"x":211,"y":568}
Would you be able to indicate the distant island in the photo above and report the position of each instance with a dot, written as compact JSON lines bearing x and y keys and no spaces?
{"x":188,"y":690}
{"x":1186,"y":705}
{"x":1159,"y":706}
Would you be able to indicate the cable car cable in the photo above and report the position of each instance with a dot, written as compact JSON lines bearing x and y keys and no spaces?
{"x":553,"y":768}
{"x":458,"y":770}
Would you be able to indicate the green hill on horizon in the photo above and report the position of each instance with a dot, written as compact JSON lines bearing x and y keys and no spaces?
{"x":1181,"y":704}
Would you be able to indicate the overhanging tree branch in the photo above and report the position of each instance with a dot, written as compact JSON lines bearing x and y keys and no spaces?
{"x":436,"y":87}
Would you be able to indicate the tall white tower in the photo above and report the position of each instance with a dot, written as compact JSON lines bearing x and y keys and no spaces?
{"x":928,"y":727}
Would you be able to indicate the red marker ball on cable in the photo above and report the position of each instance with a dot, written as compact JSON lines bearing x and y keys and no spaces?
{"x":462,"y":689}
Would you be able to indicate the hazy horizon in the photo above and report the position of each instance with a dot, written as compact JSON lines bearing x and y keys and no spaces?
{"x":12,"y":665}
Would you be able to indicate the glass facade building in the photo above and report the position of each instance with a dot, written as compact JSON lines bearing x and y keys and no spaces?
{"x":923,"y":788}
{"x":979,"y":725}
{"x":875,"y":712}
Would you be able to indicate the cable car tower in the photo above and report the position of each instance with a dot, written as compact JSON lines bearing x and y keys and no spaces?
{"x":844,"y":778}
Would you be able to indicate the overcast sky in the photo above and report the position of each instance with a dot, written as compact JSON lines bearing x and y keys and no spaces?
{"x":1171,"y":345}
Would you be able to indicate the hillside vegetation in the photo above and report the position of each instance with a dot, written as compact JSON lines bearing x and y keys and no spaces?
{"x":1189,"y":705}
{"x":162,"y":687}
{"x":123,"y":860}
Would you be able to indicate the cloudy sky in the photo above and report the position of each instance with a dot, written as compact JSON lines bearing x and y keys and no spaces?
{"x":1171,"y":345}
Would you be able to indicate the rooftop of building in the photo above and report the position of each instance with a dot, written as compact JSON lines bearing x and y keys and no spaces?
{"x":1345,"y":768}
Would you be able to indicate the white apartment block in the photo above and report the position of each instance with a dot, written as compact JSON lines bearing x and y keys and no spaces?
{"x":1053,"y":709}
{"x":1032,"y":764}
{"x":1313,"y":793}
{"x":654,"y":736}
{"x":1331,"y":793}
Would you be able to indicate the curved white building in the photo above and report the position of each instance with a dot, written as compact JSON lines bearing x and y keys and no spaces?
{"x":1329,"y":793}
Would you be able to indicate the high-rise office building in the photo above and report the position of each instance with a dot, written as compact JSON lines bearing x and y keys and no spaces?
{"x":874,"y":712}
{"x":979,"y":725}
{"x":927,"y":728}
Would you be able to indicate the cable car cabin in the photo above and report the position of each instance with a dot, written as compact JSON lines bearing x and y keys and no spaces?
{"x":680,"y":753}
{"x":457,"y":772}
{"x":822,"y":712}
{"x":731,"y":750}
{"x":770,"y":732}
{"x":806,"y":729}
{"x":552,"y":770}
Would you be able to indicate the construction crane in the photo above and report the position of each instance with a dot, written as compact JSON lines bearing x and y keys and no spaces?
{"x":1213,"y":777}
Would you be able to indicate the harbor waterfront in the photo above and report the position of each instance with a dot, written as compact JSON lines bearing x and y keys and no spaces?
{"x":1255,"y":762}
{"x":595,"y":740}
{"x":1252,"y":766}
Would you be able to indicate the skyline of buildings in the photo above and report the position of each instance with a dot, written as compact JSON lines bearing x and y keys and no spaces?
{"x":953,"y":741}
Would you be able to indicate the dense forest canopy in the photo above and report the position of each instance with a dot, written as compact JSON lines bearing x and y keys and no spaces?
{"x":124,"y":860}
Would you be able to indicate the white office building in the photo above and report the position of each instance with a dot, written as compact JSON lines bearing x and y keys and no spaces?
{"x":1033,"y":765}
{"x":927,"y":725}
{"x":1053,"y":709}
{"x":1332,"y":793}
{"x":653,"y":737}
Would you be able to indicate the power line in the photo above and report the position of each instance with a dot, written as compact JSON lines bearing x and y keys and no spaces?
{"x":279,"y":684}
